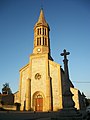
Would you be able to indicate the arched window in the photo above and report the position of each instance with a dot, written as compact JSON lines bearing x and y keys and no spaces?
{"x":45,"y":31}
{"x":45,"y":41}
{"x":40,"y":41}
{"x":39,"y":96}
{"x":40,"y":31}
{"x":37,"y":31}
{"x":37,"y":41}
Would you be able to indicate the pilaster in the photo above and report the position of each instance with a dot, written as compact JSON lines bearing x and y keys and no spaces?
{"x":28,"y":94}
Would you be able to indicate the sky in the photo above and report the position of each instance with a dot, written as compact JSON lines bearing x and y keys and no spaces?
{"x":69,"y":22}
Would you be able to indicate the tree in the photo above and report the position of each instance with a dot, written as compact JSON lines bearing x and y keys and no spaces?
{"x":6,"y":89}
{"x":87,"y":102}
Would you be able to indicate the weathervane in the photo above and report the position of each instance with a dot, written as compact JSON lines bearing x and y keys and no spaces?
{"x":41,"y":4}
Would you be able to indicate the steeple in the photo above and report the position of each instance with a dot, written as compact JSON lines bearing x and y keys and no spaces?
{"x":41,"y":35}
{"x":41,"y":20}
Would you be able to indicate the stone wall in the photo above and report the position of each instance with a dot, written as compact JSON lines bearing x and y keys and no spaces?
{"x":9,"y":107}
{"x":38,"y":83}
{"x":24,"y":75}
{"x":55,"y":74}
{"x":75,"y":97}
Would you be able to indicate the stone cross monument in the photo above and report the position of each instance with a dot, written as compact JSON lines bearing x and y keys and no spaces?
{"x":68,"y":112}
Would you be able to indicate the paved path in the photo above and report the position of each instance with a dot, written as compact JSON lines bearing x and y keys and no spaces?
{"x":10,"y":115}
{"x":17,"y":115}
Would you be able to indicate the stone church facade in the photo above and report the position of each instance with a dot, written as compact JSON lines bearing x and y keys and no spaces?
{"x":42,"y":82}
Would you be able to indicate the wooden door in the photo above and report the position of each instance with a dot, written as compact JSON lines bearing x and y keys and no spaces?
{"x":39,"y":104}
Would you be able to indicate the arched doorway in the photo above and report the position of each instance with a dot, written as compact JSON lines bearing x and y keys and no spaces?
{"x":38,"y":103}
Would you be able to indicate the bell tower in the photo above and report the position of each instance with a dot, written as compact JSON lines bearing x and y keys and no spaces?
{"x":41,"y":36}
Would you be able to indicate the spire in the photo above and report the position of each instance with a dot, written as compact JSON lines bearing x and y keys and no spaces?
{"x":41,"y":35}
{"x":41,"y":17}
{"x":41,"y":20}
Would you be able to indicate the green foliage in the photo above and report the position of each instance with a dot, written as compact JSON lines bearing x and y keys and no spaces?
{"x":87,"y":102}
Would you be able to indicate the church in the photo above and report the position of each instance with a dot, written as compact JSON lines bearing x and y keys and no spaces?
{"x":42,"y":85}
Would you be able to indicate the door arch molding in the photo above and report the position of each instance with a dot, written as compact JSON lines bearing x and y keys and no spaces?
{"x":38,"y":101}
